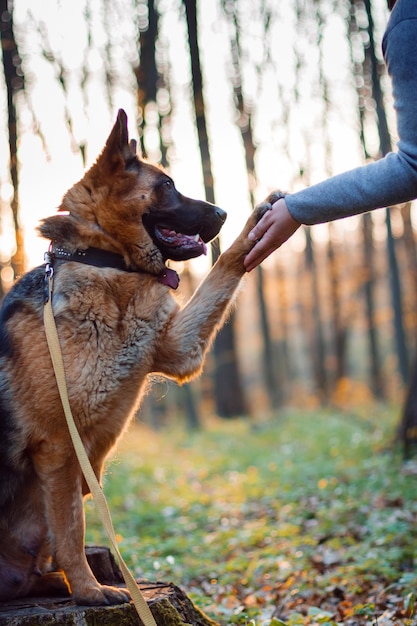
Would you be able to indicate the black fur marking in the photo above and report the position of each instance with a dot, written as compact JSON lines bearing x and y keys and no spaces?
{"x":10,"y":479}
{"x":132,"y":164}
{"x":27,"y":294}
{"x":6,"y":346}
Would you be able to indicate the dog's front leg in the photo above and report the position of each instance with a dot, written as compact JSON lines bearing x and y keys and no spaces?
{"x":60,"y":476}
{"x":191,"y":331}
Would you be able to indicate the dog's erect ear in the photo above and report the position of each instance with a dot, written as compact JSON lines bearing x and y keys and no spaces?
{"x":118,"y":151}
{"x":127,"y":148}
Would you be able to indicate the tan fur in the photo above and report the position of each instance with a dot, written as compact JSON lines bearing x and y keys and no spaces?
{"x":115,"y":328}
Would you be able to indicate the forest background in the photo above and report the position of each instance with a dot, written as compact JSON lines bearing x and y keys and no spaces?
{"x":292,"y":516}
{"x":235,"y":98}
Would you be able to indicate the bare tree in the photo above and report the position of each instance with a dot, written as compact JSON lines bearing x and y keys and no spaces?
{"x":14,"y":78}
{"x":385,"y":147}
{"x":149,"y":81}
{"x":229,"y":391}
{"x":364,"y":92}
{"x":338,"y":322}
{"x":244,"y":122}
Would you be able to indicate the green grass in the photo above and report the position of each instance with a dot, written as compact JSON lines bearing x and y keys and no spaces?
{"x":305,"y":520}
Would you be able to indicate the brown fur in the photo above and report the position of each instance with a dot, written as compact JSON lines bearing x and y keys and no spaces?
{"x":115,"y":328}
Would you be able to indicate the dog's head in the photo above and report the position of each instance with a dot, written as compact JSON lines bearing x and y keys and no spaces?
{"x":128,"y":206}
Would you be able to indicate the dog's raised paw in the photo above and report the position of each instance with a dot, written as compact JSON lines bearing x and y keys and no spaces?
{"x":274,"y":196}
{"x":266,"y":205}
{"x":261,"y":209}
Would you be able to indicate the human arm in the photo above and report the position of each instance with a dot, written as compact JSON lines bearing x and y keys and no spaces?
{"x":390,"y":180}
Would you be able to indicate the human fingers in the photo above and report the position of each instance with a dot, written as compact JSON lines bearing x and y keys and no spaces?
{"x":256,"y":256}
{"x":274,"y":229}
{"x":270,"y":241}
{"x":259,"y":230}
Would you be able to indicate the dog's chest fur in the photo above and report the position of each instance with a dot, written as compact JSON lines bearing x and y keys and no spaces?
{"x":111,"y":326}
{"x":110,"y":330}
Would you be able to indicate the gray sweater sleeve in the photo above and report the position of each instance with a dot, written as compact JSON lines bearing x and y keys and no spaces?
{"x":392,"y":179}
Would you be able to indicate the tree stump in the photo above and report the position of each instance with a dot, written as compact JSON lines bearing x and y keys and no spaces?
{"x":170,"y":606}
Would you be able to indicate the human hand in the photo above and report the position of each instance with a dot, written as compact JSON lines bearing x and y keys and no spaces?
{"x":276,"y":226}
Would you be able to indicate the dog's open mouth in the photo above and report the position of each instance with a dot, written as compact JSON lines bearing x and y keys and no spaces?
{"x":183,"y":232}
{"x":192,"y":245}
{"x":178,"y":246}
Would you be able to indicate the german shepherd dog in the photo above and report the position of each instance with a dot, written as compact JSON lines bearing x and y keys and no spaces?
{"x":117,"y":322}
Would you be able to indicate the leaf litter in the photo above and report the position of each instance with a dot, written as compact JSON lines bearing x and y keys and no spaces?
{"x":307,"y":519}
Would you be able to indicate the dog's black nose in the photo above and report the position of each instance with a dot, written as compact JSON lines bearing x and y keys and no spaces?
{"x":221,"y":214}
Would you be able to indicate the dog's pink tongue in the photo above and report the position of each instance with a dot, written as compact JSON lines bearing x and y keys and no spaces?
{"x":169,"y":277}
{"x":172,"y":238}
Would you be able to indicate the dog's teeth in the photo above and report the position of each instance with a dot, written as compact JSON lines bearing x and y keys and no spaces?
{"x":197,"y":238}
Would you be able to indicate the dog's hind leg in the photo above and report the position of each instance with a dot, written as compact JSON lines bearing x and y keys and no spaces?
{"x":60,"y":476}
{"x":52,"y":585}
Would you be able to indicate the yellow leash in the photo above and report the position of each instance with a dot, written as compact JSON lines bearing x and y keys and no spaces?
{"x":90,"y":477}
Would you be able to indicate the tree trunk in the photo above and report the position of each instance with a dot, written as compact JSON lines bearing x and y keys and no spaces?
{"x":385,"y":147}
{"x":369,"y":288}
{"x":364,"y":91}
{"x":339,"y":327}
{"x":146,"y":72}
{"x":149,"y":79}
{"x":411,"y":259}
{"x":229,"y":391}
{"x":244,"y":124}
{"x":396,"y":291}
{"x":410,"y":242}
{"x":270,"y":364}
{"x":192,"y":415}
{"x":315,"y":323}
{"x":14,"y":79}
{"x":407,"y":429}
{"x":284,"y":353}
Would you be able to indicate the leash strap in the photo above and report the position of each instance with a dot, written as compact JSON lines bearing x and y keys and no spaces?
{"x":139,"y":601}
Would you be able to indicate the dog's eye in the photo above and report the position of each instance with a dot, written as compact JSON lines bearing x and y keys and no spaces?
{"x":168,"y":184}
